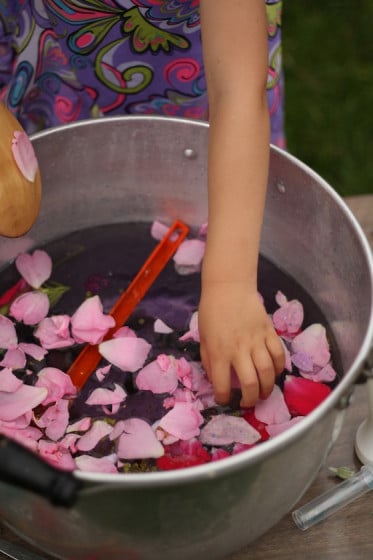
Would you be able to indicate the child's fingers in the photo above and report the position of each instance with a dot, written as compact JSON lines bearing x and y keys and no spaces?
{"x":249,"y":382}
{"x":221,"y":380}
{"x":265,"y":370}
{"x":276,"y":351}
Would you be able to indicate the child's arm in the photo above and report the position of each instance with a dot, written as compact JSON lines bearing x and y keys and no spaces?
{"x":234,"y":327}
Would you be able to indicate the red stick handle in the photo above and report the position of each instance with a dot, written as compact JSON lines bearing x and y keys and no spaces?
{"x":89,"y":358}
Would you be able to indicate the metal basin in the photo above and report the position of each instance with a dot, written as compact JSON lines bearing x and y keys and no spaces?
{"x":145,"y":168}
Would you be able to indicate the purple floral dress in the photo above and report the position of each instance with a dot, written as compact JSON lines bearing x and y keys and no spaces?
{"x":64,"y":60}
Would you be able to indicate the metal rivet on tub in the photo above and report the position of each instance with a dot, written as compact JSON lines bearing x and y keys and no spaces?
{"x":190,"y":153}
{"x":281,"y":187}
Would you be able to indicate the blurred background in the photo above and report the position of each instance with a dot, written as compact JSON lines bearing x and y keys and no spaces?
{"x":328,"y":61}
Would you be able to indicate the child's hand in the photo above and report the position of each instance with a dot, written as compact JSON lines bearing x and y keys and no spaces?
{"x":236,"y":332}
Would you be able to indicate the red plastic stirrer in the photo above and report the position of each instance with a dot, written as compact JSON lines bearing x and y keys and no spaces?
{"x":89,"y":358}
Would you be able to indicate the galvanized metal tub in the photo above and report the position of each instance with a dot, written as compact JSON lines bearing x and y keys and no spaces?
{"x":144,"y":168}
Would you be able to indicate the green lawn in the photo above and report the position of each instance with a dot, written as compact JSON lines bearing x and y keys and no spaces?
{"x":328,"y":61}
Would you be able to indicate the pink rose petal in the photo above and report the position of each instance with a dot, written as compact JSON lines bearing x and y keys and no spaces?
{"x":124,"y":331}
{"x":35,"y":268}
{"x":57,"y":383}
{"x":89,"y":323}
{"x":8,"y":335}
{"x":14,"y":359}
{"x":102,"y":372}
{"x":127,"y":353}
{"x":276,"y":429}
{"x":153,"y":377}
{"x":272,"y":410}
{"x":24,"y":155}
{"x":30,"y":307}
{"x":20,"y":401}
{"x":280,"y":298}
{"x":313,"y":341}
{"x":193,"y":332}
{"x":158,"y":230}
{"x":53,"y":332}
{"x":99,"y":430}
{"x":102,"y":396}
{"x":327,"y":374}
{"x":303,"y":395}
{"x":224,"y":430}
{"x":188,"y":257}
{"x":33,"y":350}
{"x":81,"y":425}
{"x":97,"y":464}
{"x":289,"y":317}
{"x":138,"y":441}
{"x":56,"y":455}
{"x":161,"y":327}
{"x":183,"y":421}
{"x":55,"y":420}
{"x":28,"y":437}
{"x":8,"y":381}
{"x":302,"y":361}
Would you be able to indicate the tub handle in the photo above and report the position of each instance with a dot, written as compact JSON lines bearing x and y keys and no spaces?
{"x":21,"y":467}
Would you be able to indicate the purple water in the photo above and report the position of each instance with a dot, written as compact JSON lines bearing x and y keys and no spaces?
{"x":103,"y":260}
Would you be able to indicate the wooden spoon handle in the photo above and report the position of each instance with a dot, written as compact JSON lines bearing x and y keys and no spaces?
{"x":89,"y":358}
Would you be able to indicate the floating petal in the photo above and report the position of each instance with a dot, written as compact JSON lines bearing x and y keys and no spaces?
{"x":272,"y":410}
{"x":23,"y":400}
{"x":89,"y":323}
{"x":138,"y":441}
{"x":313,"y":341}
{"x":35,"y":268}
{"x":99,"y":430}
{"x":303,"y":395}
{"x":53,"y":332}
{"x":224,"y":430}
{"x":127,"y":353}
{"x":183,"y":421}
{"x":30,"y":307}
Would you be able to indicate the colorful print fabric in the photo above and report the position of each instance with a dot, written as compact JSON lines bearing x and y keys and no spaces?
{"x":66,"y":60}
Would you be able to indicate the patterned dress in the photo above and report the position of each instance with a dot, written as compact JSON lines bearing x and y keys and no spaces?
{"x":64,"y":60}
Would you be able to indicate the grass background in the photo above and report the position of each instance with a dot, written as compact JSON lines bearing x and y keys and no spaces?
{"x":328,"y":62}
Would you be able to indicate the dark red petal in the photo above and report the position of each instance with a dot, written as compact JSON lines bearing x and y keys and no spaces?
{"x":303,"y":395}
{"x":167,"y":462}
{"x":250,"y":417}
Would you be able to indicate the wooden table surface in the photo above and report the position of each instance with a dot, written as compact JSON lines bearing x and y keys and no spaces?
{"x":346,"y":535}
